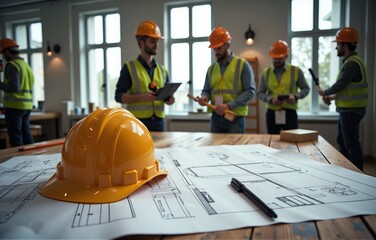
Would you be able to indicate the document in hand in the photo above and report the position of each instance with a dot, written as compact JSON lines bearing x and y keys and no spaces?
{"x":168,"y":90}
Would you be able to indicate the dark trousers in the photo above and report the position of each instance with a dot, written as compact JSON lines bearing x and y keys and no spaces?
{"x":18,"y":126}
{"x":348,"y":136}
{"x":218,"y":124}
{"x":153,"y":123}
{"x":291,"y":121}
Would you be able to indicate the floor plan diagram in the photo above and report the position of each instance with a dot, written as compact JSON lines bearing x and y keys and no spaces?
{"x":195,"y":196}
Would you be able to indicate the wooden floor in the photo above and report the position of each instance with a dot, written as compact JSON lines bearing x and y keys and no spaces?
{"x":370,"y":167}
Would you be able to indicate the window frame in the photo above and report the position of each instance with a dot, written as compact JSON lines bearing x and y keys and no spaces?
{"x":28,"y":51}
{"x":104,"y":46}
{"x":315,"y":34}
{"x":190,"y":40}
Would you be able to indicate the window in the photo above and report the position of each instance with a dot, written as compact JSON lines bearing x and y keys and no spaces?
{"x":103,"y":57}
{"x":189,"y":26}
{"x":311,"y":34}
{"x":28,"y":35}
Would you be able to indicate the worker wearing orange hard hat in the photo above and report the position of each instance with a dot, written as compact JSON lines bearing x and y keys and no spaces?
{"x":17,"y":99}
{"x":279,"y":89}
{"x":229,"y":85}
{"x":350,"y":92}
{"x":141,"y":78}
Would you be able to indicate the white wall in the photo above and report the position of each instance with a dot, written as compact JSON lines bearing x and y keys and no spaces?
{"x":268,"y":19}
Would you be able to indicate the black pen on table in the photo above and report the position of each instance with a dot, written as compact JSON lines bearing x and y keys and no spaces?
{"x":239,"y":187}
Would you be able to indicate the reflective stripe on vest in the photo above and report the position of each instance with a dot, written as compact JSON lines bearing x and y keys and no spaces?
{"x":140,"y":84}
{"x":22,"y":99}
{"x":286,"y":86}
{"x":356,"y":93}
{"x":229,"y":85}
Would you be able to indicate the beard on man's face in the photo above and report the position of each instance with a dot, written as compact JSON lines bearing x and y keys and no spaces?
{"x":278,"y":63}
{"x":221,"y":56}
{"x":150,"y":51}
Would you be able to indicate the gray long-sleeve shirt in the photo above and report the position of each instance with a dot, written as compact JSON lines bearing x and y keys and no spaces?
{"x":14,"y":81}
{"x":247,"y":81}
{"x":265,"y":94}
{"x":350,"y":72}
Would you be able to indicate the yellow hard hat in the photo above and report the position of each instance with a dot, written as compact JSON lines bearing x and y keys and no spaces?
{"x":105,"y":157}
{"x":148,"y":28}
{"x":347,"y":34}
{"x":218,"y":37}
{"x":279,"y":49}
{"x":7,"y":43}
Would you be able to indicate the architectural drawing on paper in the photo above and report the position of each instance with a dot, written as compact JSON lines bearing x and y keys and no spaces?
{"x":23,"y":188}
{"x":201,"y":176}
{"x":265,"y":172}
{"x":167,"y":197}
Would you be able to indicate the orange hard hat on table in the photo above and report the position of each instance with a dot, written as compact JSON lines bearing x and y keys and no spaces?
{"x":279,"y":49}
{"x":218,"y":37}
{"x":347,"y":34}
{"x":149,"y":28}
{"x":7,"y":43}
{"x":105,"y":157}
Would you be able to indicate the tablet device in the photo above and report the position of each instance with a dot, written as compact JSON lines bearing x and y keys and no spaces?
{"x":283,"y":97}
{"x":168,"y":90}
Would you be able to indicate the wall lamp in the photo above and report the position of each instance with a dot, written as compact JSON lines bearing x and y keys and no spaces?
{"x":55,"y":49}
{"x":249,"y":36}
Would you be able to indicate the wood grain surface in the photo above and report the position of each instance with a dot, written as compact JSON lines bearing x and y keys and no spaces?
{"x":360,"y":227}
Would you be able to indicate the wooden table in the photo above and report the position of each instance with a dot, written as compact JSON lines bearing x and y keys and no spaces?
{"x":41,"y":116}
{"x":37,"y":116}
{"x":363,"y":227}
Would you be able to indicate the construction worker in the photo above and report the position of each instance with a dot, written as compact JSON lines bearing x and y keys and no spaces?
{"x":17,"y":86}
{"x":139,"y":79}
{"x":279,"y":89}
{"x":351,"y":95}
{"x":229,"y":85}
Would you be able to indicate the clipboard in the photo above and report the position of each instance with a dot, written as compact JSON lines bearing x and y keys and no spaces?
{"x":168,"y":90}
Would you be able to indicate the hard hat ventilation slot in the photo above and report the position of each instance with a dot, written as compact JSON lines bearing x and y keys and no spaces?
{"x":149,"y":171}
{"x":130,"y":177}
{"x":104,"y":180}
{"x":60,"y":171}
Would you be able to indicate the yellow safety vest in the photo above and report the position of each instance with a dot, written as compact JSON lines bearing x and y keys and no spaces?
{"x":229,"y":85}
{"x":356,"y":94}
{"x":23,"y":99}
{"x":286,"y":86}
{"x":140,"y":84}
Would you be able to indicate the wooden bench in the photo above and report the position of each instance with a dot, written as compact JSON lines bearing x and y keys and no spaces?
{"x":36,"y":131}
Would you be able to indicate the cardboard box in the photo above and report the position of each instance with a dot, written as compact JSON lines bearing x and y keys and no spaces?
{"x":298,"y":135}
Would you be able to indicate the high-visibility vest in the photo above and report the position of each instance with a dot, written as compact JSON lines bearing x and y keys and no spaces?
{"x":287,"y":85}
{"x":140,"y":84}
{"x":229,"y":86}
{"x":355,"y":95}
{"x":23,"y":99}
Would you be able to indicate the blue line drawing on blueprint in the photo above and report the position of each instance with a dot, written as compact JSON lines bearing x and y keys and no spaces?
{"x":280,"y":178}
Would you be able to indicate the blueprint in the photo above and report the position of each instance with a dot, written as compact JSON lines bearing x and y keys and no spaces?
{"x":195,"y":196}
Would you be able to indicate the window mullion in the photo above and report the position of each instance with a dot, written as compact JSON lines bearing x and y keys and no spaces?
{"x":190,"y":44}
{"x":105,"y":82}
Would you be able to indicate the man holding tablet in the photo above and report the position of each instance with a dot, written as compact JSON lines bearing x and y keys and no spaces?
{"x":141,"y":78}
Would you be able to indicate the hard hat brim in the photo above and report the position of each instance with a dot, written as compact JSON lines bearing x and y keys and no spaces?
{"x":277,"y":55}
{"x":216,"y":45}
{"x":156,"y":36}
{"x":73,"y":192}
